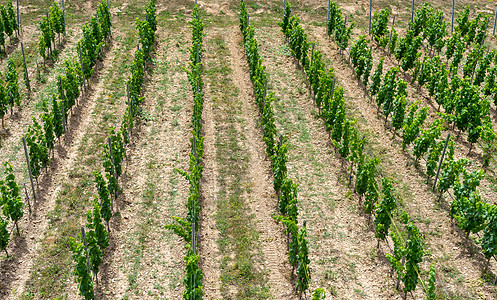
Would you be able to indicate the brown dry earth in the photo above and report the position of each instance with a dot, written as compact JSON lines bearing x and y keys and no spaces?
{"x":462,"y":149}
{"x":341,"y":244}
{"x":448,"y":251}
{"x":26,"y":247}
{"x":462,"y":146}
{"x":209,"y":188}
{"x":343,"y":252}
{"x":153,"y":191}
{"x":263,"y":201}
{"x":260,"y":195}
{"x":17,"y":125}
{"x":82,"y":121}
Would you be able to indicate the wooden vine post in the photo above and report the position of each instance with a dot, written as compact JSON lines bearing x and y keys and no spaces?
{"x":327,"y":18}
{"x":197,"y":56}
{"x":64,"y":16}
{"x":82,"y":66}
{"x":27,"y":198}
{"x":83,"y":236}
{"x":370,"y":10}
{"x":18,"y":20}
{"x":25,"y":69}
{"x":495,"y":20}
{"x":412,"y":11}
{"x":194,"y":150}
{"x":441,"y":161}
{"x":452,"y":22}
{"x":29,"y":168}
{"x":63,"y":116}
{"x":129,"y":110}
{"x":114,"y":168}
{"x":391,"y":33}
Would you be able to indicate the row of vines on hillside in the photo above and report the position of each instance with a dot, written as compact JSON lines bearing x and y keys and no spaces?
{"x":9,"y":90}
{"x":41,"y":136}
{"x":347,"y":140}
{"x":9,"y":83}
{"x":471,"y":213}
{"x":51,"y":25}
{"x":187,"y":227}
{"x":12,"y":207}
{"x":285,"y":188}
{"x":89,"y":247}
{"x":464,"y":93}
{"x":8,"y":24}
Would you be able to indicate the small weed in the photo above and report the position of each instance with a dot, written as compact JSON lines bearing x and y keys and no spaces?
{"x":360,"y":293}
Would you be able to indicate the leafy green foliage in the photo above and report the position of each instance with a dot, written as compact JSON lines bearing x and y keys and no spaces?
{"x":50,"y":25}
{"x":147,"y":37}
{"x":283,"y":24}
{"x":379,"y":26}
{"x":38,"y":153}
{"x":104,"y":17}
{"x":469,"y":212}
{"x":399,"y":105}
{"x":319,"y":294}
{"x":193,"y":278}
{"x":470,"y":110}
{"x":436,"y":30}
{"x":293,"y":246}
{"x":408,"y":50}
{"x":303,"y":273}
{"x":427,"y":139}
{"x":361,"y":58}
{"x":430,"y":290}
{"x":450,"y":170}
{"x":412,"y":124}
{"x":413,"y":254}
{"x":83,"y":278}
{"x":371,"y":192}
{"x":335,"y":14}
{"x":376,"y":78}
{"x":184,"y":226}
{"x":57,"y":118}
{"x":288,"y":193}
{"x":343,"y":33}
{"x":489,"y":239}
{"x":12,"y":82}
{"x":12,"y":205}
{"x":393,"y":42}
{"x":471,"y":61}
{"x":433,"y":158}
{"x":384,"y":210}
{"x":94,"y":222}
{"x":4,"y":235}
{"x":386,"y":94}
{"x":94,"y":252}
{"x":483,"y":66}
{"x":94,"y":35}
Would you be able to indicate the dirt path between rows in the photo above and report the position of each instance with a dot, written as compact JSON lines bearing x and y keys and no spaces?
{"x":263,"y":201}
{"x":208,"y":234}
{"x":146,"y":260}
{"x":343,"y":255}
{"x":238,"y":197}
